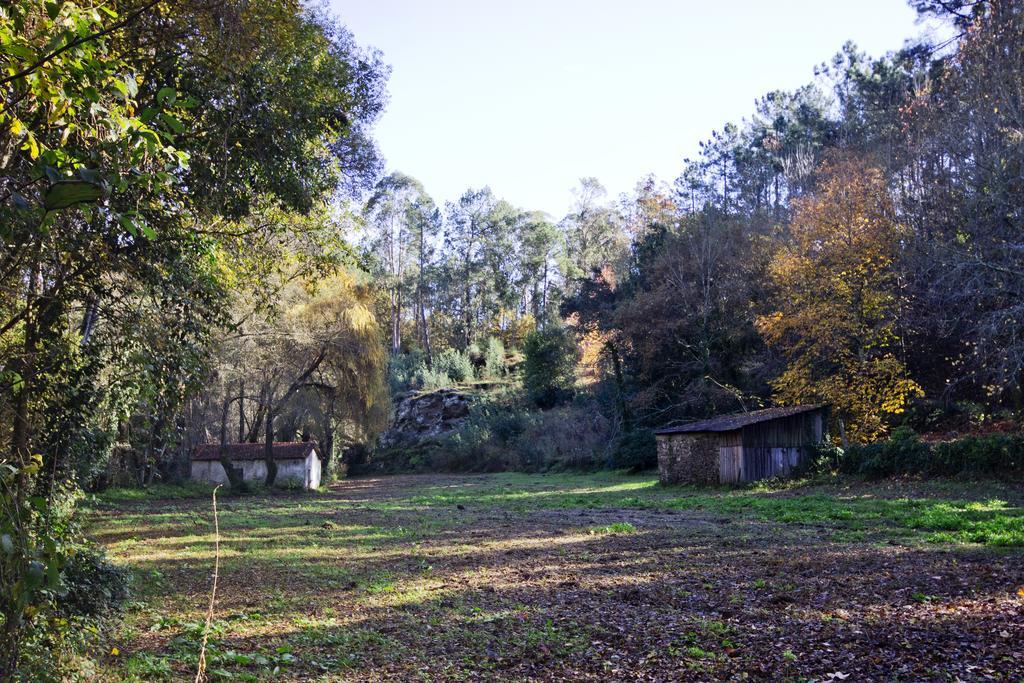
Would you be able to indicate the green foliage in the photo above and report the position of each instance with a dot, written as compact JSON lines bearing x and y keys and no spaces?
{"x":91,"y":585}
{"x":636,"y":451}
{"x":549,"y":368}
{"x":405,"y":371}
{"x":905,"y":453}
{"x":511,"y":437}
{"x":63,"y":591}
{"x":453,"y":364}
{"x":504,"y":433}
{"x":494,"y":358}
{"x":131,"y":239}
{"x":430,"y":379}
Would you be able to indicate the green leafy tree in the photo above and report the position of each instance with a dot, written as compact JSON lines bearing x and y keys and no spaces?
{"x":143,"y":146}
{"x":549,"y":367}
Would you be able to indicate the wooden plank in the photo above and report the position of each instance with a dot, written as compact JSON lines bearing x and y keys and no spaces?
{"x":730,"y":459}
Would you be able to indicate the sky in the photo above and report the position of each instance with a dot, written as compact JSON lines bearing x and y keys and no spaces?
{"x":528,"y":96}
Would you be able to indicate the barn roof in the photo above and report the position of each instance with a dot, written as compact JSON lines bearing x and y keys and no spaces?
{"x":727,"y":423}
{"x":283,"y":450}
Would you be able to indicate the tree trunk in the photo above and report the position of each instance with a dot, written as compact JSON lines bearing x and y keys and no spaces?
{"x":544,"y":299}
{"x":89,"y":318}
{"x":425,"y":330}
{"x":620,"y":388}
{"x":257,"y":421}
{"x":241,"y":411}
{"x":234,"y":474}
{"x":26,"y":368}
{"x":268,"y":443}
{"x":426,"y":338}
{"x":395,"y":313}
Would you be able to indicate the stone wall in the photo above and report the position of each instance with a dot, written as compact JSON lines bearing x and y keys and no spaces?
{"x":688,"y":458}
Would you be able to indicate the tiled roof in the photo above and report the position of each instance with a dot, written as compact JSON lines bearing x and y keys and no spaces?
{"x":727,"y":423}
{"x":283,"y":450}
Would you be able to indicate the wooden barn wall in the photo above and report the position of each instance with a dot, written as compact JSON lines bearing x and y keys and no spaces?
{"x":730,"y":457}
{"x":796,"y":430}
{"x":767,"y":449}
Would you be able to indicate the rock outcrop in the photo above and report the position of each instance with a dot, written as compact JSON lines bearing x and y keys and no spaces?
{"x":420,"y":416}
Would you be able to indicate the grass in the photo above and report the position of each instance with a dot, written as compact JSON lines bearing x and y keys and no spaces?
{"x":469,"y":577}
{"x":191,"y":489}
{"x":848,"y":504}
{"x":992,"y":514}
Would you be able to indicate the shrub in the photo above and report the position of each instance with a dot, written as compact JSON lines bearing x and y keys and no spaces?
{"x":573,"y":437}
{"x":824,"y":458}
{"x":404,"y":371}
{"x":430,"y":379}
{"x":904,"y":453}
{"x":549,"y":369}
{"x":92,"y":585}
{"x":494,"y":358}
{"x":636,"y":451}
{"x":500,"y":434}
{"x":454,"y":364}
{"x":992,"y":454}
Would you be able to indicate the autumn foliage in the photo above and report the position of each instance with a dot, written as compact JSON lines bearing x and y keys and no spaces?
{"x":837,"y":301}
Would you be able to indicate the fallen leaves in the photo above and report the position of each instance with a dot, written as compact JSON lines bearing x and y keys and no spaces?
{"x":488,"y":596}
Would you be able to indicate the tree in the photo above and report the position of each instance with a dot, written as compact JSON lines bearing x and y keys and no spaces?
{"x":549,"y":369}
{"x":593,"y":231}
{"x":962,"y":196}
{"x":143,"y":146}
{"x":403,"y":221}
{"x":540,"y":247}
{"x":837,"y":301}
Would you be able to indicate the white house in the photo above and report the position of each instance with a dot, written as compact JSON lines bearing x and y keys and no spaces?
{"x":298,"y":463}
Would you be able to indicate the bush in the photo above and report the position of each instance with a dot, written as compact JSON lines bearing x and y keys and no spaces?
{"x":431,"y":379}
{"x":573,"y":437}
{"x":494,"y":358}
{"x":92,"y":585}
{"x":410,"y":371}
{"x":404,"y":371}
{"x":549,"y":369}
{"x":636,"y":451}
{"x":904,"y":453}
{"x":824,"y":458}
{"x":454,"y":365}
{"x":502,"y":434}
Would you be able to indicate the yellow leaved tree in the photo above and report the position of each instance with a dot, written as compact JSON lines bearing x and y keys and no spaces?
{"x":837,"y":301}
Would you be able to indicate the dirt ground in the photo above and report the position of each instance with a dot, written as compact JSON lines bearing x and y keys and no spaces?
{"x":385,"y":580}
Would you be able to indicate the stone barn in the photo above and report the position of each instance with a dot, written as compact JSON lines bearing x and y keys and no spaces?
{"x":741,"y":447}
{"x":298,"y":463}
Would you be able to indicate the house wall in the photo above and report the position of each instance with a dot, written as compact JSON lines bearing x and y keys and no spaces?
{"x":730,"y":457}
{"x":313,"y":471}
{"x":209,"y":471}
{"x":687,"y":458}
{"x":288,"y":471}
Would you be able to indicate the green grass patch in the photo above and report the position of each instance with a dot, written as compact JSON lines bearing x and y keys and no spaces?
{"x":189,"y":489}
{"x":851,"y":506}
{"x":616,"y":528}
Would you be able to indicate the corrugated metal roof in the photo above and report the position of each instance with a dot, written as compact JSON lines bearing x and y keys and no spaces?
{"x":283,"y":450}
{"x":727,"y":423}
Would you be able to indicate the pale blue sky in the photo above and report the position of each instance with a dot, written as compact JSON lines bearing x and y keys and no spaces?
{"x":529,"y":96}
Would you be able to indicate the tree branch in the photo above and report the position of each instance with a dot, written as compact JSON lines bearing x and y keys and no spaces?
{"x":79,"y":41}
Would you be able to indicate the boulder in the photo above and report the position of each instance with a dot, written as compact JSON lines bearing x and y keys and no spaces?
{"x":420,"y":416}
